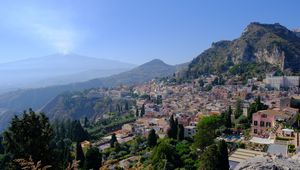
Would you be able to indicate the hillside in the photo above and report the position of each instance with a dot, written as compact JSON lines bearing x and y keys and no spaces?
{"x":36,"y":98}
{"x":270,"y":45}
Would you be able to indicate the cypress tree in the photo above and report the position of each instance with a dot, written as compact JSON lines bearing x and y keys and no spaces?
{"x":113,"y":140}
{"x":238,"y":110}
{"x":79,"y":154}
{"x":143,"y":110}
{"x":228,"y":114}
{"x":1,"y":146}
{"x":224,"y":162}
{"x":152,"y":138}
{"x":137,"y":114}
{"x":180,"y":135}
{"x":126,"y":105}
{"x":172,"y":125}
{"x":93,"y":159}
{"x":175,"y":131}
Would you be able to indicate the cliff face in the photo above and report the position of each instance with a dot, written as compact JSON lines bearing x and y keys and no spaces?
{"x":260,"y":43}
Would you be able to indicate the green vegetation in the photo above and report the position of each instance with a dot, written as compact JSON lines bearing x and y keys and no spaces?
{"x":93,"y":159}
{"x":105,"y":126}
{"x":80,"y":155}
{"x":215,"y":157}
{"x":30,"y":136}
{"x":113,"y":141}
{"x":152,"y":138}
{"x":206,"y":131}
{"x":256,"y":106}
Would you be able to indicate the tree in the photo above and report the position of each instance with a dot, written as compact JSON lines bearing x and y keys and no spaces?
{"x":143,"y":110}
{"x":93,"y":159}
{"x":238,"y":109}
{"x":79,"y":154}
{"x":78,"y":133}
{"x":126,"y":105}
{"x":152,"y":138}
{"x":158,"y":99}
{"x":206,"y":131}
{"x":210,"y":158}
{"x":224,"y":162}
{"x":256,"y":106}
{"x":164,"y":156}
{"x":180,"y":134}
{"x":228,"y":114}
{"x":1,"y":146}
{"x":86,"y":122}
{"x":30,"y":136}
{"x":172,"y":131}
{"x":137,"y":113}
{"x":63,"y":153}
{"x":113,"y":140}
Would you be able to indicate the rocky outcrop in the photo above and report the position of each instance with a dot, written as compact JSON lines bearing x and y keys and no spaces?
{"x":260,"y":43}
{"x":269,"y":163}
{"x":274,"y":56}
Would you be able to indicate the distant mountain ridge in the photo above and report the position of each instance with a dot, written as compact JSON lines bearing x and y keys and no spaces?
{"x":35,"y":72}
{"x":273,"y":44}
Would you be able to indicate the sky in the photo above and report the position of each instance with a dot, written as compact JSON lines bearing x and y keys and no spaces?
{"x":133,"y":31}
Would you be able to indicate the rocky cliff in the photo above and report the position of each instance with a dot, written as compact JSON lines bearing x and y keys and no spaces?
{"x":273,"y":44}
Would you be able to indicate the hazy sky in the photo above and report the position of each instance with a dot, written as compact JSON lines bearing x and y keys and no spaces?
{"x":134,"y":31}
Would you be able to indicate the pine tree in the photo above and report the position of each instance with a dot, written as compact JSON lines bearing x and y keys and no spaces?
{"x":113,"y":140}
{"x":79,"y":154}
{"x":152,"y":138}
{"x":210,"y":159}
{"x":93,"y":159}
{"x":224,"y":162}
{"x":30,"y":136}
{"x":180,"y":135}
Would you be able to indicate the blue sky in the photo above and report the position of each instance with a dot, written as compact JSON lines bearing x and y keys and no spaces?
{"x":133,"y":31}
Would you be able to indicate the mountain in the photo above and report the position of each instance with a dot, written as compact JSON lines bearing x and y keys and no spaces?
{"x":297,"y":32}
{"x":36,"y":98}
{"x":270,"y":45}
{"x":56,"y":69}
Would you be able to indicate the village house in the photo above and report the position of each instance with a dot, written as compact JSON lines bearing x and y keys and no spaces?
{"x":265,"y":121}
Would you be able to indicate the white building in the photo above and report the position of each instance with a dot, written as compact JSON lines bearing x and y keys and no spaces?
{"x":278,"y":82}
{"x":189,"y":131}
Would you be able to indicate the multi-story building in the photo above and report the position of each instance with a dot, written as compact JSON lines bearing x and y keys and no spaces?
{"x":264,"y":122}
{"x":278,"y":82}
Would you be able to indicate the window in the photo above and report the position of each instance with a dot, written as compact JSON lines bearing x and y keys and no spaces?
{"x":268,"y":124}
{"x":255,"y":131}
{"x":264,"y":115}
{"x":255,"y":123}
{"x":262,"y":123}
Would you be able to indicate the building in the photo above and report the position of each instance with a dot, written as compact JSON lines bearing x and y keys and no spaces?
{"x":278,"y":82}
{"x":189,"y":131}
{"x":264,"y":122}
